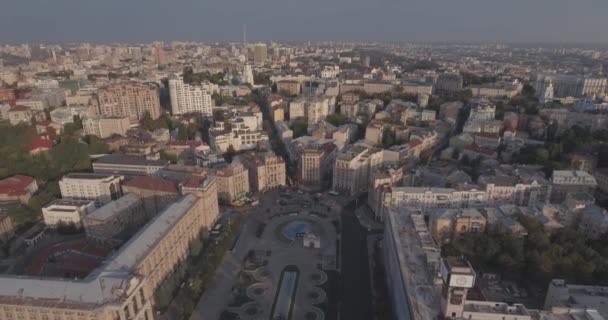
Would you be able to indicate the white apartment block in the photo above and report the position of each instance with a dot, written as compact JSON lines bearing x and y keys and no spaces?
{"x":100,"y":188}
{"x":187,"y":98}
{"x":66,"y":211}
{"x":105,"y":127}
{"x":352,"y":167}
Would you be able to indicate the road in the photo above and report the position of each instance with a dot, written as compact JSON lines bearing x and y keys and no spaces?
{"x":355,"y":276}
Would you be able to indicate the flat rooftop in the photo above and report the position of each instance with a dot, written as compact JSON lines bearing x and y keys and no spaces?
{"x":113,"y":208}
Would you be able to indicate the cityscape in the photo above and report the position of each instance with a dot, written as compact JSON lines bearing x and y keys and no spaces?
{"x":303,"y":180}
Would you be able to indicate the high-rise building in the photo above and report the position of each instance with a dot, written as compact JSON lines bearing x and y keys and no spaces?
{"x":187,"y":98}
{"x":130,"y":99}
{"x":247,"y":75}
{"x":569,"y":85}
{"x":260,"y":53}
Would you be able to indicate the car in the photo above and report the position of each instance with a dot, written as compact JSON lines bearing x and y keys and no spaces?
{"x":333,"y":193}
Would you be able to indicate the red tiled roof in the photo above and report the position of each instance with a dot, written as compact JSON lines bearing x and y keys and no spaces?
{"x":150,"y":183}
{"x":19,"y":108}
{"x":477,"y":149}
{"x":188,"y":143}
{"x":41,"y":144}
{"x":15,"y":185}
{"x":194,"y":181}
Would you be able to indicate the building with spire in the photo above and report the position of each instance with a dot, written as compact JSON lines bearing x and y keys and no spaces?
{"x":547,"y":95}
{"x":247,"y":76}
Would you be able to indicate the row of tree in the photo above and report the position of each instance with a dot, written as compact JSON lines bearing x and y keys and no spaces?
{"x":538,"y":257}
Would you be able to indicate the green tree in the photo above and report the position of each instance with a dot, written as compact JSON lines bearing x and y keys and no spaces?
{"x":96,"y":145}
{"x":337,"y":119}
{"x":299,"y":127}
{"x":229,"y":154}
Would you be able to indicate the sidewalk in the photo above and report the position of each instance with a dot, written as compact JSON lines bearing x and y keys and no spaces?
{"x":216,"y":297}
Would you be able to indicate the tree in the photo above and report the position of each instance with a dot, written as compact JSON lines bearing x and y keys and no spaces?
{"x":299,"y":127}
{"x":389,"y":138}
{"x":182,"y":132}
{"x":528,"y":91}
{"x":229,"y":154}
{"x":336,"y":119}
{"x":96,"y":145}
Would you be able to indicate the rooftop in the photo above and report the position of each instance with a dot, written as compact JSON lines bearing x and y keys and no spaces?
{"x":113,"y":208}
{"x":150,"y":183}
{"x":129,"y":160}
{"x":15,"y":185}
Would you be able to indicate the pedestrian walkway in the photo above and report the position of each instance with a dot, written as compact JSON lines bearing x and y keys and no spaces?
{"x":215,"y":298}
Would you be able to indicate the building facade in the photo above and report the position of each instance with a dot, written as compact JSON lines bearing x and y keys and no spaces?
{"x":105,"y":127}
{"x":101,"y":188}
{"x":65,"y":211}
{"x":130,"y":99}
{"x":186,"y":98}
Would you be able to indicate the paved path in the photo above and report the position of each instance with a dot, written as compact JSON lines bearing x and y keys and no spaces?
{"x":217,"y":295}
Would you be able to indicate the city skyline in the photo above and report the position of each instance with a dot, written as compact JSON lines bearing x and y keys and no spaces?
{"x":64,"y":21}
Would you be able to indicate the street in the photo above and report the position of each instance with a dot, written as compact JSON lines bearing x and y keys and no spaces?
{"x":355,"y":276}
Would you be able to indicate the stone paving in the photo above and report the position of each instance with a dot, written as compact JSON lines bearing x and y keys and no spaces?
{"x":272,"y":252}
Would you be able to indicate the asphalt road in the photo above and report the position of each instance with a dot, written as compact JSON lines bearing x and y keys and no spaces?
{"x":356,"y":295}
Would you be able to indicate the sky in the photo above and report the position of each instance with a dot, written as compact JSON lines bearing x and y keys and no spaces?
{"x":62,"y":21}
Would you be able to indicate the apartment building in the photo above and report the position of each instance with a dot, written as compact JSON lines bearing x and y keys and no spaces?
{"x":186,"y":98}
{"x":448,"y":83}
{"x":297,"y":108}
{"x":353,"y":166}
{"x":232,"y":182}
{"x":130,"y":99}
{"x":121,"y":289}
{"x":127,"y":165}
{"x":106,"y":223}
{"x":448,"y":224}
{"x":66,"y":211}
{"x":290,"y":87}
{"x":571,"y":181}
{"x":105,"y":127}
{"x":569,"y":85}
{"x":266,"y":170}
{"x":522,"y":186}
{"x":205,"y":187}
{"x":20,"y":114}
{"x":318,"y":108}
{"x":316,"y":163}
{"x":101,"y":188}
{"x":374,"y":132}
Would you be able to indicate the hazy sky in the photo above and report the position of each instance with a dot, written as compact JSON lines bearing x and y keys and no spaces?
{"x":297,"y":20}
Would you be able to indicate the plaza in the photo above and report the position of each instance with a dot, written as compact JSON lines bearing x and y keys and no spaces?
{"x":291,"y":254}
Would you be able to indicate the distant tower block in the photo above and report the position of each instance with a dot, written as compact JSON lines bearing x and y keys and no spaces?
{"x":548,"y":93}
{"x":423,"y":100}
{"x":247,"y":75}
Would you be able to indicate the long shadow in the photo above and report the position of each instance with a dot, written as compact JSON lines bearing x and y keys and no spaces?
{"x":355,"y":277}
